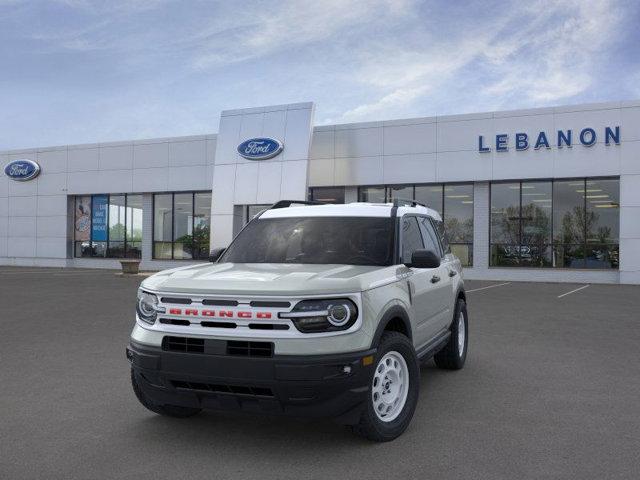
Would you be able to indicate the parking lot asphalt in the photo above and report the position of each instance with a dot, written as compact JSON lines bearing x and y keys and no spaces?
{"x":551,"y":390}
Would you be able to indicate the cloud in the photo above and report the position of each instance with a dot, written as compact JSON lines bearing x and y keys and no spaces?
{"x":288,"y":24}
{"x":541,"y":53}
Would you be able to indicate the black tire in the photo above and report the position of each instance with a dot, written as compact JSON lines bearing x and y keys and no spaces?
{"x":372,"y":427}
{"x":166,"y":410}
{"x":450,"y":357}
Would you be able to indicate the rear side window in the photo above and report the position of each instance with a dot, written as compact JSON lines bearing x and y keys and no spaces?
{"x":411,"y":238}
{"x":430,"y":236}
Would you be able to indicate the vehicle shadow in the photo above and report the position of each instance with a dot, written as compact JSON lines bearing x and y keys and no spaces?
{"x":261,"y":433}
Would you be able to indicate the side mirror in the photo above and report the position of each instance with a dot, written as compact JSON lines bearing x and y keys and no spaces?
{"x":215,"y":254}
{"x":424,"y":259}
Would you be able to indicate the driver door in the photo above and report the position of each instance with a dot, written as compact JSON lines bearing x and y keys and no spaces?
{"x":422,"y":283}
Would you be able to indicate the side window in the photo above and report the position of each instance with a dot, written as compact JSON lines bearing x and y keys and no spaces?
{"x":429,"y":235}
{"x":411,"y":238}
{"x":444,"y":241}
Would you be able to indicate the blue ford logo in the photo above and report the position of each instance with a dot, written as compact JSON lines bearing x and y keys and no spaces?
{"x":22,"y":170}
{"x":260,"y":148}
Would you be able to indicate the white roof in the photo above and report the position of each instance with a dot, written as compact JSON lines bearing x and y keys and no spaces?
{"x":356,"y":209}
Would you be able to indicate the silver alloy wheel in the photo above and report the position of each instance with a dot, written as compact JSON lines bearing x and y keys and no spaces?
{"x":390,"y":386}
{"x":461,"y":334}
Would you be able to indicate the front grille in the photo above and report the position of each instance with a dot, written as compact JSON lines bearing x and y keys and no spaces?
{"x":220,"y":303}
{"x":250,"y":349}
{"x":176,"y":300}
{"x":262,"y":303}
{"x":183,"y":344}
{"x":230,"y":389}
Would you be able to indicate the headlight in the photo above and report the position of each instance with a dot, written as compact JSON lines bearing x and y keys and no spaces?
{"x":147,"y":307}
{"x":314,"y":316}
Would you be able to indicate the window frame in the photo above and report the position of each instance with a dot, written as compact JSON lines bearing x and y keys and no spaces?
{"x":125,"y":240}
{"x":172,"y":241}
{"x":553,"y":245}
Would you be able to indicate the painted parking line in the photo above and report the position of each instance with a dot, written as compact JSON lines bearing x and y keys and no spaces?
{"x":573,"y":291}
{"x":488,"y":286}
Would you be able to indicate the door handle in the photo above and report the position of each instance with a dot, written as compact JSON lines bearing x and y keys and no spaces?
{"x":452,"y":273}
{"x":435,"y":279}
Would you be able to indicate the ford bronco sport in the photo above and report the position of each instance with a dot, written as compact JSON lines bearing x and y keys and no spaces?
{"x":313,"y":310}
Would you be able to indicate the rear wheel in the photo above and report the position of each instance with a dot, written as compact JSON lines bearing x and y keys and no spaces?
{"x":454,"y":354}
{"x":166,"y":410}
{"x":393,"y":393}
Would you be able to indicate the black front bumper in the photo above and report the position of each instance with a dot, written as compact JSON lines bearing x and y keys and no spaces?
{"x":334,"y":386}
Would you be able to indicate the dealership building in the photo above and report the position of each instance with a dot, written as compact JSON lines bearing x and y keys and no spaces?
{"x":548,"y":194}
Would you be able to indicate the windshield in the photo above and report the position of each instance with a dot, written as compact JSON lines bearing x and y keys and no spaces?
{"x":320,"y":240}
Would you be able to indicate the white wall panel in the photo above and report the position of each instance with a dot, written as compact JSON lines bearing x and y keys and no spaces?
{"x":22,"y":206}
{"x":115,"y":181}
{"x":630,"y":157}
{"x":51,"y":205}
{"x":463,"y":166}
{"x":22,"y":189}
{"x":52,"y":161}
{"x":188,"y":178}
{"x":294,"y":180}
{"x":21,"y":246}
{"x":151,"y":155}
{"x":269,"y":180}
{"x":406,"y":168}
{"x":150,"y":180}
{"x":297,"y":135}
{"x":322,"y":172}
{"x":188,"y":153}
{"x":359,"y":171}
{"x":22,"y":227}
{"x":52,"y":226}
{"x":51,"y":247}
{"x":52,"y":184}
{"x":630,"y":124}
{"x":246,"y":183}
{"x":358,"y":142}
{"x":83,"y":159}
{"x":456,"y":136}
{"x":322,"y":144}
{"x":118,"y":157}
{"x":420,"y":138}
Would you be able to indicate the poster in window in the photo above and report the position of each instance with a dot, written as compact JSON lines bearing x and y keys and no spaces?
{"x":83,"y":219}
{"x":99,"y":214}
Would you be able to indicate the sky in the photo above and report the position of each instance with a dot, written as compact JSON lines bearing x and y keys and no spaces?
{"x":80,"y":71}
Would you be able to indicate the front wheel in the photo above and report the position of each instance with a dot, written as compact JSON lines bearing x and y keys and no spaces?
{"x":454,"y":353}
{"x":393,"y":393}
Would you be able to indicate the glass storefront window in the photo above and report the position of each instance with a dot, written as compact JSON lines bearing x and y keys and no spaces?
{"x":454,"y":202}
{"x":108,"y":226}
{"x":327,"y":194}
{"x":431,"y":196}
{"x":458,"y":220}
{"x":182,"y":224}
{"x":404,"y":192}
{"x":555,"y":224}
{"x":372,"y":194}
{"x":134,"y":226}
{"x":201,"y":224}
{"x":505,"y":224}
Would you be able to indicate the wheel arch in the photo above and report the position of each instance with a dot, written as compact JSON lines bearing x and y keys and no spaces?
{"x":395,"y":319}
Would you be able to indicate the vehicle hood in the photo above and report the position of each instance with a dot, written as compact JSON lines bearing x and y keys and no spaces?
{"x":268,"y":279}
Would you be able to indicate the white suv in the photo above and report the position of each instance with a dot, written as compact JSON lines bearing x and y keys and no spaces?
{"x":315,"y":310}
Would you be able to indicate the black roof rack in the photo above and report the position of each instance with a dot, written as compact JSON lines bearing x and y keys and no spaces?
{"x":402,"y":202}
{"x":288,"y":203}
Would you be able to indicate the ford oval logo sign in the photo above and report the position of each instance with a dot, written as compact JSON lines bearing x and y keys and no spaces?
{"x":22,"y":170}
{"x":260,"y":148}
